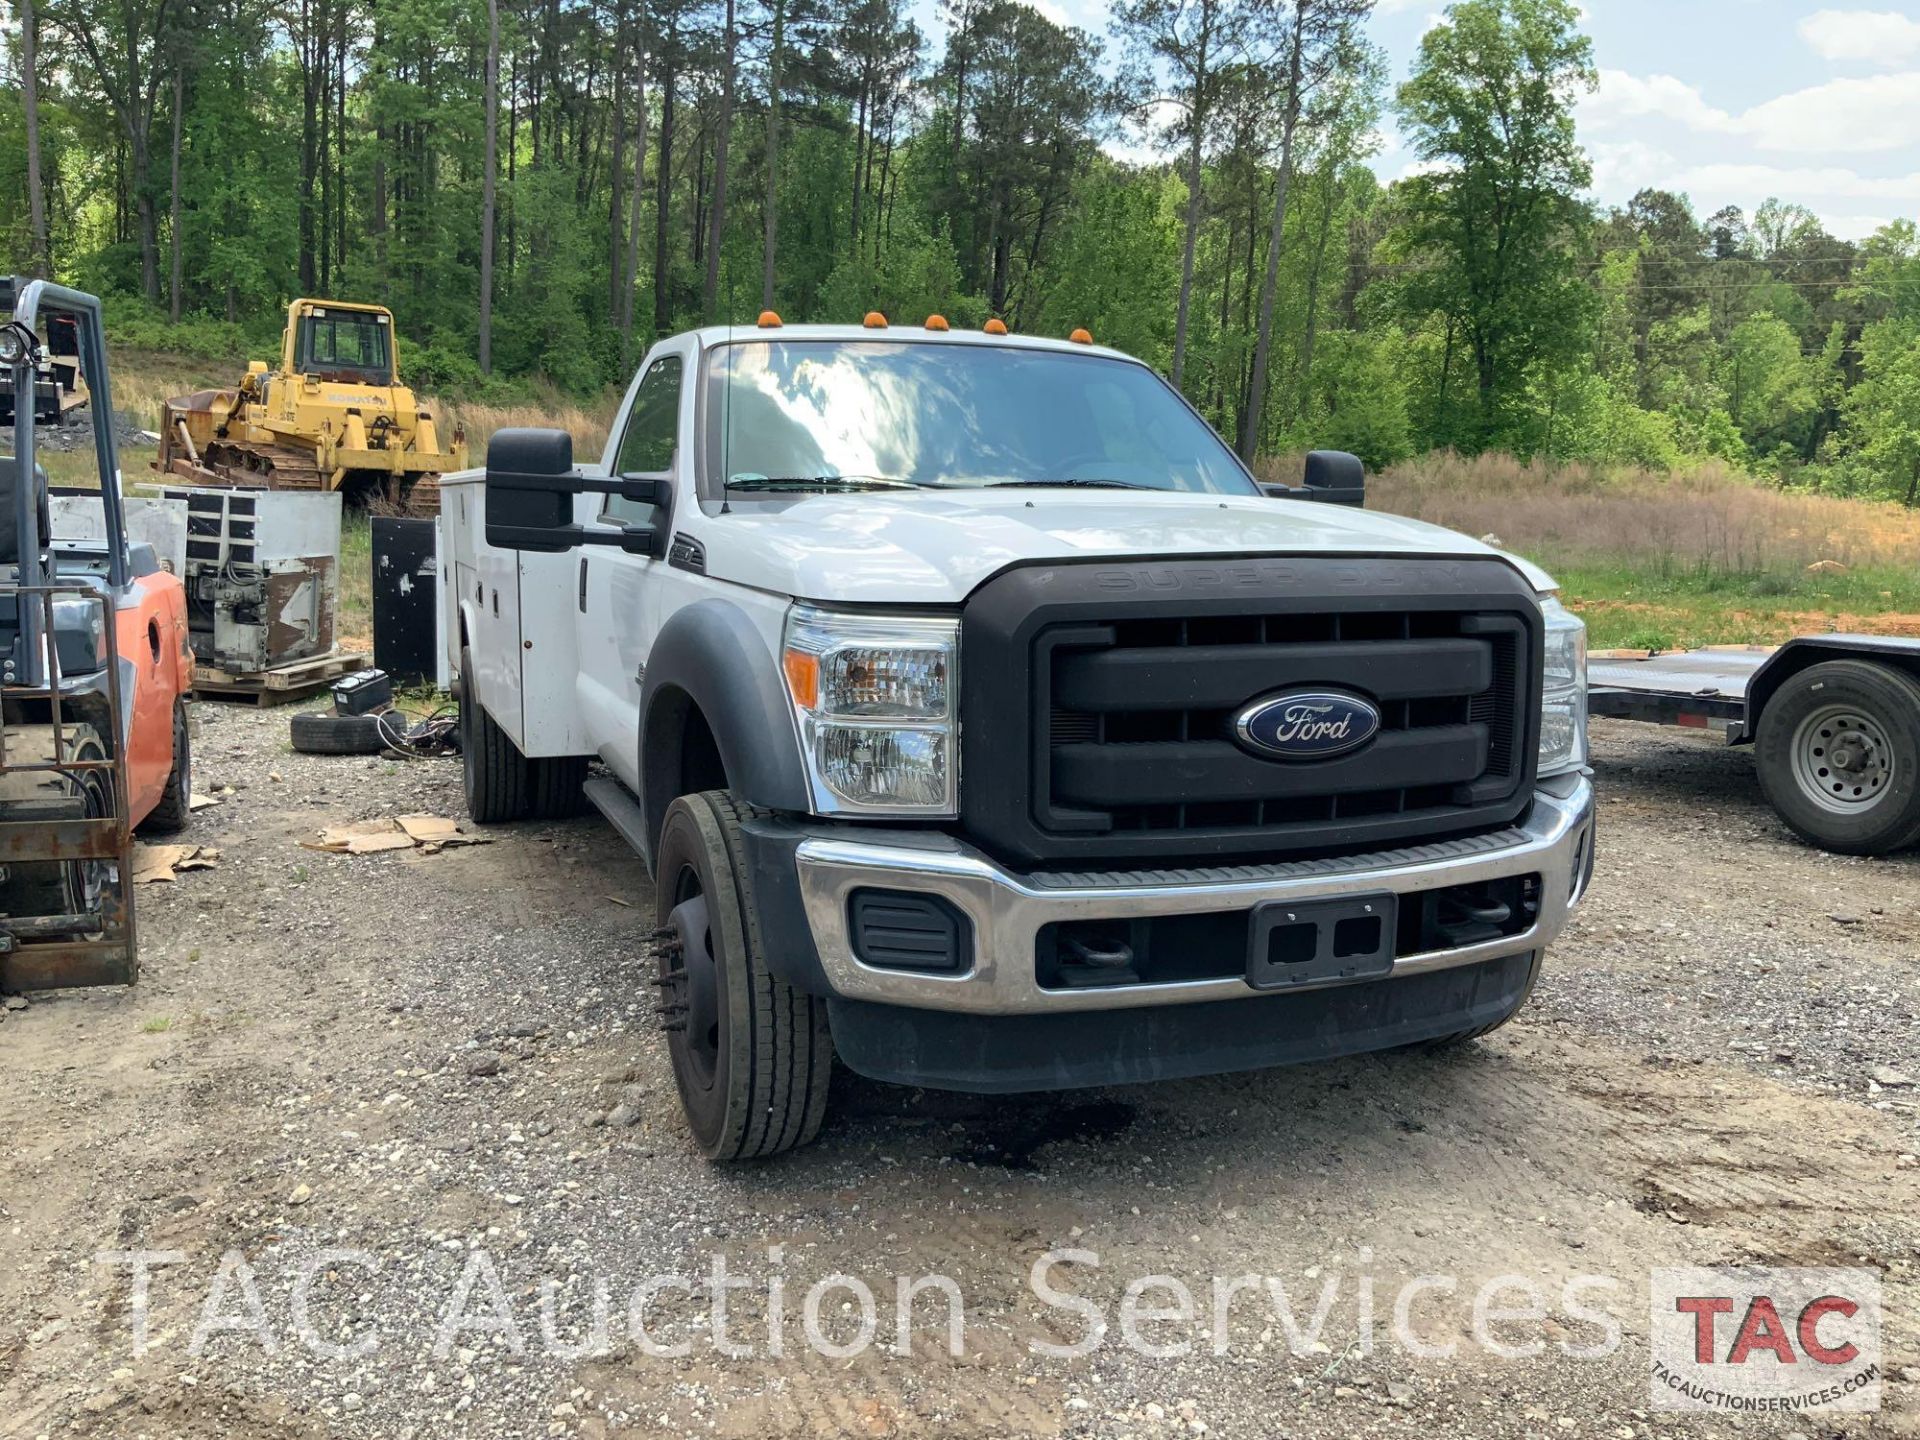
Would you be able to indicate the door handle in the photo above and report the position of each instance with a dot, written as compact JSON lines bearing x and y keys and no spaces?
{"x":583,"y":584}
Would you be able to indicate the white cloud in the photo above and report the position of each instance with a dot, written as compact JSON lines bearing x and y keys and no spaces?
{"x":1872,"y":113}
{"x":1623,"y":97}
{"x":1879,"y":112}
{"x":1874,"y":37}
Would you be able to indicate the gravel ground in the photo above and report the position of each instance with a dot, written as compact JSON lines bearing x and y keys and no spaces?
{"x":445,"y":1063}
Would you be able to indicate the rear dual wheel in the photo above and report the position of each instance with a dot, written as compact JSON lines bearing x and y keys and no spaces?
{"x":503,"y":785}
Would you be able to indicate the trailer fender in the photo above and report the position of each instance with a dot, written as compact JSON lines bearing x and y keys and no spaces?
{"x":710,"y":659}
{"x":1796,"y":655}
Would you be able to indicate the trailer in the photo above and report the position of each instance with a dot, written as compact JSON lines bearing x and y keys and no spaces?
{"x":1834,"y":721}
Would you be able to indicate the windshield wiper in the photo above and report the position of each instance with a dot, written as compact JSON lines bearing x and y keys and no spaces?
{"x":1074,"y":484}
{"x":822,"y":482}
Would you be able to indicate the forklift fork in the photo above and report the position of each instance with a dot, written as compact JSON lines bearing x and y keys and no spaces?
{"x":96,"y":944}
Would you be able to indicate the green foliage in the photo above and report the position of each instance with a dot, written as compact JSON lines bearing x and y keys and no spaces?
{"x":338,"y":148}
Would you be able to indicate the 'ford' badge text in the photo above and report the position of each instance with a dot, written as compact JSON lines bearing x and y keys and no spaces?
{"x":1306,"y":724}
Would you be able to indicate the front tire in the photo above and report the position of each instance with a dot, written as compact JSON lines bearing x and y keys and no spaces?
{"x":751,"y":1054}
{"x":1838,"y":752}
{"x":496,"y":774}
{"x":169,"y":817}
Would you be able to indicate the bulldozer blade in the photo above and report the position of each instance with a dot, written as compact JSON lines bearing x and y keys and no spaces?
{"x":69,"y":965}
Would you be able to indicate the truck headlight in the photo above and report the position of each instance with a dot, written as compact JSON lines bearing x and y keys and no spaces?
{"x":1563,"y":691}
{"x":873,"y":696}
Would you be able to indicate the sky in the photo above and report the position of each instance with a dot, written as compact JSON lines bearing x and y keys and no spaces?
{"x":1726,"y":101}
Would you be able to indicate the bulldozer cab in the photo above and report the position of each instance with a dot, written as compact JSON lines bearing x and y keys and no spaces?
{"x":66,"y":914}
{"x":341,"y":343}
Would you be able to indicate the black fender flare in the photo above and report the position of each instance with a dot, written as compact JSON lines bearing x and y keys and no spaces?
{"x":1896,"y":652}
{"x":709,"y":656}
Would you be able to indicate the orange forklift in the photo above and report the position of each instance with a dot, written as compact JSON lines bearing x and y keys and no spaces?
{"x":94,"y":675}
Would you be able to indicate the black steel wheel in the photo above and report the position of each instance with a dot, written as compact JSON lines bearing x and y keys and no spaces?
{"x":751,"y":1054}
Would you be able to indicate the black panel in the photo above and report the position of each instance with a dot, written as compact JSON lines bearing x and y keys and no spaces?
{"x":900,"y":930}
{"x":999,"y":1054}
{"x":1119,"y":685}
{"x":406,"y":641}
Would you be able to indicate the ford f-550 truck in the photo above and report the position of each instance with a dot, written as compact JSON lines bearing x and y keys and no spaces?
{"x":984,"y":723}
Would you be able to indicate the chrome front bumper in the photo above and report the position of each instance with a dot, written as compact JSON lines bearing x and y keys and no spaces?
{"x":1007,"y":910}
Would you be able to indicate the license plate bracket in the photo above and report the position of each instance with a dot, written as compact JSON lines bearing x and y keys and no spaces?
{"x":1321,"y":942}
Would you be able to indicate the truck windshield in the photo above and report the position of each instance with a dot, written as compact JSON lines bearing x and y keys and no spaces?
{"x":782,"y":414}
{"x":349,"y":344}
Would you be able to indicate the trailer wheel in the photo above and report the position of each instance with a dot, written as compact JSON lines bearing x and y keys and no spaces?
{"x":176,"y":801}
{"x":495,"y":772}
{"x":751,"y":1054}
{"x":1838,"y":752}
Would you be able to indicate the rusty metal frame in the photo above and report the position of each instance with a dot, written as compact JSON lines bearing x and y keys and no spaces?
{"x":49,"y":952}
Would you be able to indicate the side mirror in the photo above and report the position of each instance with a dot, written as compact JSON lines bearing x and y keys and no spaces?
{"x":1333,"y":477}
{"x":531,"y":485}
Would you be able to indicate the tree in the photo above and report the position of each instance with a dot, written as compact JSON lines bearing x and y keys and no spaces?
{"x":489,"y":181}
{"x":1319,"y":35}
{"x":717,"y":216}
{"x":1033,"y":98}
{"x":41,"y":255}
{"x":1191,"y":43}
{"x":125,"y":57}
{"x":1488,"y":228}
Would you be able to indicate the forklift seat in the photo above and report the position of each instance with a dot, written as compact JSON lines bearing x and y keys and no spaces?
{"x":9,"y":531}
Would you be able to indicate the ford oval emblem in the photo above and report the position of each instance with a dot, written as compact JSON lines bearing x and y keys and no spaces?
{"x":1307,"y":724}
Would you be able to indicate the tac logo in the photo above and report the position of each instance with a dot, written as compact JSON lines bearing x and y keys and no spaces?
{"x":1765,"y":1341}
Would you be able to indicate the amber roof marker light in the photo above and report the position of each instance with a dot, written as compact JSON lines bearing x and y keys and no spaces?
{"x":1081,"y":336}
{"x":995,"y":326}
{"x":875,"y":320}
{"x":936,"y":322}
{"x":769,"y":320}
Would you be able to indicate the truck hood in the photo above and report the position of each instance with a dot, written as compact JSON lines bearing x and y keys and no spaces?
{"x":930,"y":549}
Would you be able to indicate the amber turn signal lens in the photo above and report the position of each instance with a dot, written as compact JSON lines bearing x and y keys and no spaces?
{"x":803,"y":677}
{"x":995,"y":326}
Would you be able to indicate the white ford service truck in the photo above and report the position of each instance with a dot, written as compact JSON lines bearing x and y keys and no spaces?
{"x":984,"y":723}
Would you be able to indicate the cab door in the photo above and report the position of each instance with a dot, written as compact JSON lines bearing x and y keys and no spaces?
{"x":617,"y":604}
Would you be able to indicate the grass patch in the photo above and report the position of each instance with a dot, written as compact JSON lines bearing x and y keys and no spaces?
{"x":156,"y":1025}
{"x":1655,"y":561}
{"x":355,"y":628}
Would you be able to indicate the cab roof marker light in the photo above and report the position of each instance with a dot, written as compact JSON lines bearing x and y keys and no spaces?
{"x":769,"y":320}
{"x":875,"y":320}
{"x":936,"y":322}
{"x":1081,"y":336}
{"x":995,"y":326}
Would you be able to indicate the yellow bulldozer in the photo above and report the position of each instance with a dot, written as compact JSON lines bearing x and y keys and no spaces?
{"x":334,"y":416}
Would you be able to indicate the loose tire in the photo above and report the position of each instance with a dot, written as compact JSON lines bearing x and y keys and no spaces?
{"x":751,"y":1054}
{"x":321,"y":732}
{"x":176,"y":801}
{"x":1839,"y":756}
{"x":496,"y":774}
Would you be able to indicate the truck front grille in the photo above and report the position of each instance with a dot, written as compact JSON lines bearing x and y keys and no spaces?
{"x":1126,"y":703}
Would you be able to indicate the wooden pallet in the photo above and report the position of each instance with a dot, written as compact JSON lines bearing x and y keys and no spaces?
{"x":280,"y":685}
